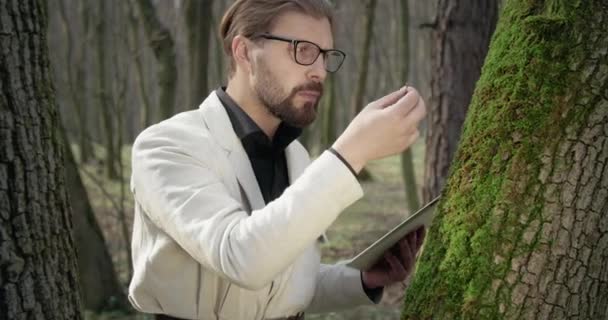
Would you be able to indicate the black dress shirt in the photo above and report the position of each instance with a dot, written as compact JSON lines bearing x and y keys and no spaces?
{"x":267,"y":156}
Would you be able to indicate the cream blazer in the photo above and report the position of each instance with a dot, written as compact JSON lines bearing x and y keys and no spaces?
{"x":206,"y":246}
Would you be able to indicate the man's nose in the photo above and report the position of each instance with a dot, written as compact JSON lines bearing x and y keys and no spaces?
{"x":317,"y":69}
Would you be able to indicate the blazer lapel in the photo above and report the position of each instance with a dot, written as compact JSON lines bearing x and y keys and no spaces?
{"x":246,"y":177}
{"x":219,"y":125}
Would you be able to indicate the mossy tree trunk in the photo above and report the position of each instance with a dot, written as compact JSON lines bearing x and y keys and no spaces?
{"x":38,"y":273}
{"x":461,"y":36}
{"x":522,"y":230}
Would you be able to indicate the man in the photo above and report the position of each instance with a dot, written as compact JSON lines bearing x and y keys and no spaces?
{"x":229,"y":209}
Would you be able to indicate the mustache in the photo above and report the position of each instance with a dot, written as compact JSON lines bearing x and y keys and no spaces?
{"x":311,"y":86}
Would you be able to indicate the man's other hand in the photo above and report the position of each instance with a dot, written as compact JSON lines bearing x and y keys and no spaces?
{"x":398,"y":262}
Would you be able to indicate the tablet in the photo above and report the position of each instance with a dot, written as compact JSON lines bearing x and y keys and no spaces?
{"x":368,"y":257}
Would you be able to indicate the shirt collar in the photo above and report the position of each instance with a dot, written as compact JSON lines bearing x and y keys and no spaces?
{"x":249,"y":132}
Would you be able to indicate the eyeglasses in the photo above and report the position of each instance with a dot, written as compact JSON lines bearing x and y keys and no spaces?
{"x":306,"y":53}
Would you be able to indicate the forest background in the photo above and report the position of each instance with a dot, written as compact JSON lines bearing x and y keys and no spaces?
{"x":534,"y":219}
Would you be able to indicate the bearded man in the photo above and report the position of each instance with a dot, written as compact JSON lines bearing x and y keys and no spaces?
{"x":230,"y":210}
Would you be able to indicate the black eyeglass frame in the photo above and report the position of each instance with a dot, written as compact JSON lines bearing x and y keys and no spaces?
{"x":295,"y":42}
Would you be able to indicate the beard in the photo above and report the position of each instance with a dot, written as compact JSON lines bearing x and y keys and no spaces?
{"x":281,"y":105}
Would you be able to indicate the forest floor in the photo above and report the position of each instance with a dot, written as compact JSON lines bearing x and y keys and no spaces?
{"x":382,"y":207}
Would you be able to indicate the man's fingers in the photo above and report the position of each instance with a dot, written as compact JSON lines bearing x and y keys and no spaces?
{"x":420,"y":235}
{"x":406,"y":104}
{"x":415,"y":115}
{"x":412,"y":237}
{"x":398,"y":270}
{"x":390,"y":98}
{"x":414,"y":241}
{"x":407,"y":254}
{"x":411,"y":245}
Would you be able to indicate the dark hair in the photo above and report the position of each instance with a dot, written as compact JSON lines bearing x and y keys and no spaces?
{"x":249,"y":17}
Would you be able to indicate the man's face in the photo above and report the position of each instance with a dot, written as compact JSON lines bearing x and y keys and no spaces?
{"x":290,"y":91}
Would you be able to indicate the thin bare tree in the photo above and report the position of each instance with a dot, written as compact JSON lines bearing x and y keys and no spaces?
{"x":364,"y":52}
{"x":198,"y":19}
{"x":407,"y":163}
{"x":162,"y":44}
{"x":76,"y":78}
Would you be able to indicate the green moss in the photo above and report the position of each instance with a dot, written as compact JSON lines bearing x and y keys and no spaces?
{"x":521,"y":105}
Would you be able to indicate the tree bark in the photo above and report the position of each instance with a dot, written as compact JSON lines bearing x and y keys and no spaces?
{"x":101,"y":289}
{"x":198,"y":24}
{"x":162,"y":45}
{"x":522,"y":230}
{"x":38,"y":274}
{"x":460,"y":43}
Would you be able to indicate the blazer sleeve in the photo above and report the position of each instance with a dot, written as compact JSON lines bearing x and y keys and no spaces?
{"x":186,"y":198}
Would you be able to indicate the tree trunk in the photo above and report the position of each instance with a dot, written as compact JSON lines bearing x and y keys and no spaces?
{"x":461,"y":38}
{"x":162,"y":45}
{"x":423,"y":13}
{"x":522,"y":230}
{"x":328,"y":127}
{"x":122,"y":214}
{"x":407,"y":163}
{"x":198,"y":22}
{"x":38,"y":277}
{"x":368,"y":30}
{"x":103,"y":95}
{"x":75,"y":78}
{"x":216,"y":45}
{"x":119,"y":107}
{"x":85,"y":138}
{"x":137,"y":54}
{"x":359,"y":94}
{"x":100,"y":287}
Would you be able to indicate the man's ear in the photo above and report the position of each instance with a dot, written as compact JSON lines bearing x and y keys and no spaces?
{"x":240,"y":52}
